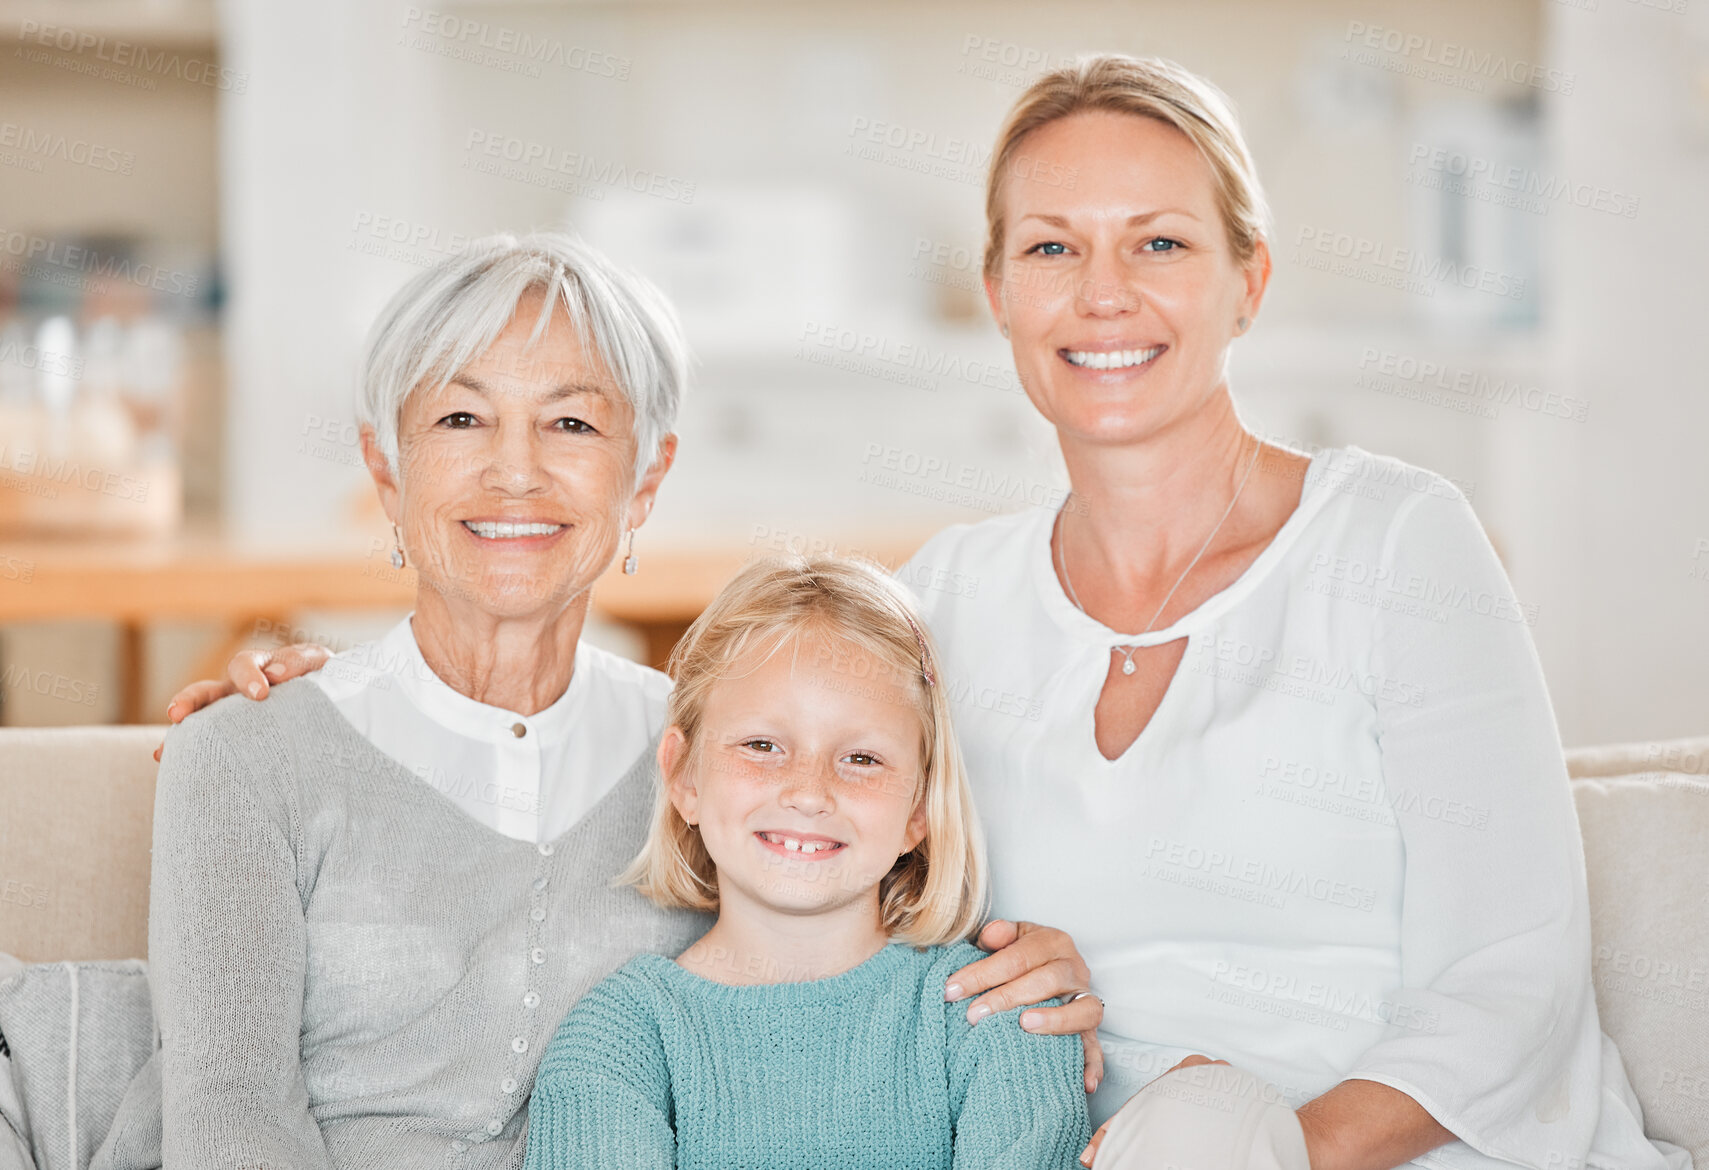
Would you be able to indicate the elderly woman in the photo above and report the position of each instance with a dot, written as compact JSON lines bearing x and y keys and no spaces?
{"x":376,"y":895}
{"x":1282,"y":759}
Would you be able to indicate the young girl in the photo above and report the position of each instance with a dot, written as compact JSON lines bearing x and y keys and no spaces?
{"x":813,"y":795}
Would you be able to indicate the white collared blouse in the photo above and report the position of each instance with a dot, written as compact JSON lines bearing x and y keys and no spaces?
{"x":527,"y":776}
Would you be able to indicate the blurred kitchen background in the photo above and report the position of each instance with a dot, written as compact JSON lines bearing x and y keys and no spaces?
{"x":203,"y":205}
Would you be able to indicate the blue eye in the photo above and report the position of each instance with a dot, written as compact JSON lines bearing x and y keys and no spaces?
{"x":1174,"y":245}
{"x":1044,"y":249}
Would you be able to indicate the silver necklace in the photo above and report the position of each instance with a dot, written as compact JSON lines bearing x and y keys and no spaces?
{"x":1062,"y":562}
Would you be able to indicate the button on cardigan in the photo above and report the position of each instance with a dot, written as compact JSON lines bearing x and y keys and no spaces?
{"x":349,"y":971}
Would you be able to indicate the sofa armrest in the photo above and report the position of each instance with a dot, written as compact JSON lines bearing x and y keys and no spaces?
{"x":76,"y":822}
{"x":1687,"y":756}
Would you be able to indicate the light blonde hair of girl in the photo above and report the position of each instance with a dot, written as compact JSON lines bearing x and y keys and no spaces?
{"x":1146,"y":87}
{"x":935,"y":893}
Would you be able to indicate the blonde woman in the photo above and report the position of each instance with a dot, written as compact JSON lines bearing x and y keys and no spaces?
{"x":813,"y":797}
{"x":1295,"y":787}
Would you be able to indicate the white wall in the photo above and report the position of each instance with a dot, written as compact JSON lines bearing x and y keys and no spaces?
{"x":1610,"y":540}
{"x":349,"y":119}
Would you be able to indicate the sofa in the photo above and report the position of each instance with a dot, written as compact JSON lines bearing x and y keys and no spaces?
{"x":76,"y":806}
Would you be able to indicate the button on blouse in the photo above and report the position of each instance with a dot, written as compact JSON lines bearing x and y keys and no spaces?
{"x":528,"y":777}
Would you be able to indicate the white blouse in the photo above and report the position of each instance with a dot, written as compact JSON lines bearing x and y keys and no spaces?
{"x":1343,"y":847}
{"x":527,"y":776}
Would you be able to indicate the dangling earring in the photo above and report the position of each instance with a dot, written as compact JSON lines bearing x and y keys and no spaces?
{"x":397,"y":548}
{"x":630,"y":564}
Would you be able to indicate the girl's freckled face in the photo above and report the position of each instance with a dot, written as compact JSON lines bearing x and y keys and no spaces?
{"x":806,"y":786}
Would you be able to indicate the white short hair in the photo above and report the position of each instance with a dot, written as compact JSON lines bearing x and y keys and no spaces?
{"x":450,"y":314}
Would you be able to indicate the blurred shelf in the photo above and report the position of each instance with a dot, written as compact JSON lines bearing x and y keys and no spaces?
{"x":202,"y":576}
{"x":189,"y":576}
{"x":175,"y":23}
{"x":207,"y":577}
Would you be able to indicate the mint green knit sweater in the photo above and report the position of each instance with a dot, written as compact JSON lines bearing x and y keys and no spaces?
{"x":867,"y":1070}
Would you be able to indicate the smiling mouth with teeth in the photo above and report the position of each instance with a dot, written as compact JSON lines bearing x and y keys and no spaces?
{"x":1110,"y":359}
{"x":799,"y":845}
{"x":508,"y":530}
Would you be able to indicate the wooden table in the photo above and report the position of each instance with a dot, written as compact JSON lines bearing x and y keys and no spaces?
{"x":251,"y":589}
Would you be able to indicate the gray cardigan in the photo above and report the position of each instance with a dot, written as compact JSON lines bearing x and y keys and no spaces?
{"x":347,"y":970}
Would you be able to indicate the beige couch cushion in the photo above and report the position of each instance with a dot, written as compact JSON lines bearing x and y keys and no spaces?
{"x":76,"y":816}
{"x":1646,"y":847}
{"x":1689,"y":756}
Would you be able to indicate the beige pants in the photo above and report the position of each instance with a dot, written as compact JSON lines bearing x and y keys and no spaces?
{"x":1208,"y":1117}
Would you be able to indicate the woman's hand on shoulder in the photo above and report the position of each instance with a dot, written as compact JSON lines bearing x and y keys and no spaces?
{"x":1030,"y":963}
{"x":250,"y":672}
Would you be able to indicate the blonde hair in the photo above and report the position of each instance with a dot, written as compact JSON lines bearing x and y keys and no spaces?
{"x":936,"y":892}
{"x":1146,"y":87}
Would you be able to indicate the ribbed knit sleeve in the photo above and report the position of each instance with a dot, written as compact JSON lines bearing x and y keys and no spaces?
{"x":602,"y":1096}
{"x":227,"y":951}
{"x":1017,"y":1099}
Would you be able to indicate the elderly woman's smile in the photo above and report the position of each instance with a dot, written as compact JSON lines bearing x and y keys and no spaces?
{"x":511,"y":529}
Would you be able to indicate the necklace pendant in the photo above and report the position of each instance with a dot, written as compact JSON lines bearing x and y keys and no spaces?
{"x":1127,"y":667}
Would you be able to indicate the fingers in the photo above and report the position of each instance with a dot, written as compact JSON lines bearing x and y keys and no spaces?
{"x":998,"y":933}
{"x":1190,"y":1062}
{"x":1194,"y":1061}
{"x":982,"y":975}
{"x":294,"y":661}
{"x":196,"y":696}
{"x":1034,"y":946}
{"x":244,"y":671}
{"x":1091,"y":1150}
{"x":254,"y":671}
{"x":1093,"y":1051}
{"x":250,"y":672}
{"x":1055,"y":978}
{"x":1085,"y":1014}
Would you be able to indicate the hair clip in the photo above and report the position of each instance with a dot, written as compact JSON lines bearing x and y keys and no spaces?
{"x":925,"y":670}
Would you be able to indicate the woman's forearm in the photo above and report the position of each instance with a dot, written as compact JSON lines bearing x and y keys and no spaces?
{"x":1363,"y":1125}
